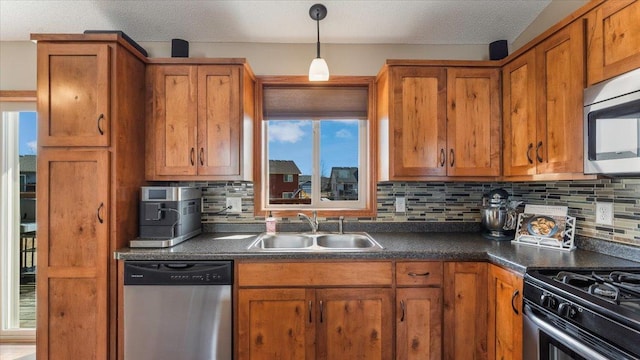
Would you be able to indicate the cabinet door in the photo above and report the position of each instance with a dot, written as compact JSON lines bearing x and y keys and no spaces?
{"x":519,"y":115}
{"x":219,"y":122}
{"x":174,"y":118}
{"x":355,"y":323}
{"x":418,"y":122}
{"x":560,"y":74}
{"x":73,"y":234}
{"x":276,"y":324}
{"x":418,"y":323}
{"x":73,"y":95}
{"x":505,"y":314}
{"x":613,"y":40}
{"x":473,"y":122}
{"x":465,"y":310}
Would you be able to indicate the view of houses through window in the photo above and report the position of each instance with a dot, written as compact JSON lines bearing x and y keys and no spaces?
{"x":315,"y":162}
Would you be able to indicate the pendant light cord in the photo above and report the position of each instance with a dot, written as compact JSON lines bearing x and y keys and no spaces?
{"x":318,"y":32}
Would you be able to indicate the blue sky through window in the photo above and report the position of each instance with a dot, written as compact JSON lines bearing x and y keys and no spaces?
{"x":292,"y":140}
{"x":27,"y":133}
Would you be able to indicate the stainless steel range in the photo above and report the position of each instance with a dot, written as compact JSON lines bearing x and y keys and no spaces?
{"x":582,"y":314}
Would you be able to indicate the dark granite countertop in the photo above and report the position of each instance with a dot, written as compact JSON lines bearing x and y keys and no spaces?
{"x":457,"y":246}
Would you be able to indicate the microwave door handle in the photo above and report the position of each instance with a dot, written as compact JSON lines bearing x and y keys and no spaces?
{"x":591,"y":136}
{"x":577,"y":346}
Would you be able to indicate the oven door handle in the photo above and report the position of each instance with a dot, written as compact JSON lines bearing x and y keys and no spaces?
{"x":567,"y":340}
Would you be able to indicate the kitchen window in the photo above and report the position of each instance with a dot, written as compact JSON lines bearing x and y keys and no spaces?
{"x":315,"y":147}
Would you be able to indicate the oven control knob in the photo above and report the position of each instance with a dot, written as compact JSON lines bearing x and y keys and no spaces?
{"x":548,"y":301}
{"x":572,"y":312}
{"x":567,"y":310}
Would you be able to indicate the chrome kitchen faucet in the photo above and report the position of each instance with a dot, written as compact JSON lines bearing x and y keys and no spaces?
{"x":313,"y":222}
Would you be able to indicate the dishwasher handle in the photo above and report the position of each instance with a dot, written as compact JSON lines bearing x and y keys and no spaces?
{"x":178,"y":272}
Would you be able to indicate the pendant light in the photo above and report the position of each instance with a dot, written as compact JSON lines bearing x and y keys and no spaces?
{"x":318,"y":71}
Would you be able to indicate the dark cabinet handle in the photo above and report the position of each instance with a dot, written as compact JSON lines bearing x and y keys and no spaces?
{"x":310,"y":311}
{"x":201,"y":156}
{"x":418,"y":274}
{"x":100,"y":218}
{"x":191,"y":156}
{"x":402,"y":307}
{"x":442,"y":159}
{"x":100,"y":118}
{"x":452,"y":156}
{"x":321,"y":311}
{"x":529,"y":153}
{"x":538,"y":156}
{"x":513,"y":298}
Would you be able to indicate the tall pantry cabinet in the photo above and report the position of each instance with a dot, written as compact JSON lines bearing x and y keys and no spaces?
{"x":91,"y":96}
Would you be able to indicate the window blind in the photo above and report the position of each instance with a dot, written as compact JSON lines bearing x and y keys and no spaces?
{"x":284,"y":103}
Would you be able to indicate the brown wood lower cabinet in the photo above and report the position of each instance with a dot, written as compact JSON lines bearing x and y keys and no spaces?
{"x":419,"y":324}
{"x":505,"y":314}
{"x":276,"y":324}
{"x":465,"y":310}
{"x":315,"y":310}
{"x":355,"y":323}
{"x":345,"y":310}
{"x":418,"y":310}
{"x":73,"y":243}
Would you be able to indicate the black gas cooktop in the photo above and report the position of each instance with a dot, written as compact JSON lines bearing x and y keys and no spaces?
{"x":604,"y":302}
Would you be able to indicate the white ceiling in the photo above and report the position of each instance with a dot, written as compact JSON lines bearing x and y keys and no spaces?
{"x":273,"y":21}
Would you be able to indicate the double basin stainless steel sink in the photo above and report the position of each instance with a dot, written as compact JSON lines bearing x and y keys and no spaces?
{"x":318,"y":242}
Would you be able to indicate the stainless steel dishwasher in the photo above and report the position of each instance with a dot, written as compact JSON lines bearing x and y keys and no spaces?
{"x":178,"y":310}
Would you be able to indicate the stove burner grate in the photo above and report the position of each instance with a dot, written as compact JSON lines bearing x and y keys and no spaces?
{"x":570,"y":278}
{"x":605,"y":290}
{"x":625,"y":278}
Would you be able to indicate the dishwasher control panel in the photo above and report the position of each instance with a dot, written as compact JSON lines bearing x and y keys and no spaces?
{"x":178,"y":272}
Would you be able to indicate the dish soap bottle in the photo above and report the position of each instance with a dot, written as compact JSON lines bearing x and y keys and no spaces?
{"x":271,"y":224}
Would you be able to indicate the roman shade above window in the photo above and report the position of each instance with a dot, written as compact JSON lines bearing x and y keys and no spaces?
{"x":335,"y":102}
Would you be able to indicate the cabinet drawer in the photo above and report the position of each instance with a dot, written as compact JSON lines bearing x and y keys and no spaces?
{"x":419,"y":273}
{"x":315,"y":273}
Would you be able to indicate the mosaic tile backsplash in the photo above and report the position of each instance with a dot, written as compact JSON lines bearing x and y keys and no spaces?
{"x":460,"y":202}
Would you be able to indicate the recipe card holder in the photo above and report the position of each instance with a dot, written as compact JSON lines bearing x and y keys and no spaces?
{"x":566,"y":243}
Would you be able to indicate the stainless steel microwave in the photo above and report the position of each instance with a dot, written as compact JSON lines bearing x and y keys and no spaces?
{"x":612,"y":126}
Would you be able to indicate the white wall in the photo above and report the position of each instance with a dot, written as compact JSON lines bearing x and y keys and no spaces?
{"x":551,"y":15}
{"x":18,"y":59}
{"x":17,"y":65}
{"x":343,"y":59}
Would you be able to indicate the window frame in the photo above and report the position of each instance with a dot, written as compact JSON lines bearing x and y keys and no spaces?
{"x":12,"y":101}
{"x":260,"y":208}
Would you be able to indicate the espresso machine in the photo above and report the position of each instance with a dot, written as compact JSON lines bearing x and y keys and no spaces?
{"x":168,"y":215}
{"x":498,"y":217}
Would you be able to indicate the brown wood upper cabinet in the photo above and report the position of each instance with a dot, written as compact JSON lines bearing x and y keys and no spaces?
{"x":196,"y":116}
{"x":542,"y":99}
{"x":438,"y":122}
{"x":613,"y":39}
{"x":73,"y":94}
{"x":473,"y":122}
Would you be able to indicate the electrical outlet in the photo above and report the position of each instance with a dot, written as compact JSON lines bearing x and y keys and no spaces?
{"x":604,"y":213}
{"x":401,"y":204}
{"x":234,"y":205}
